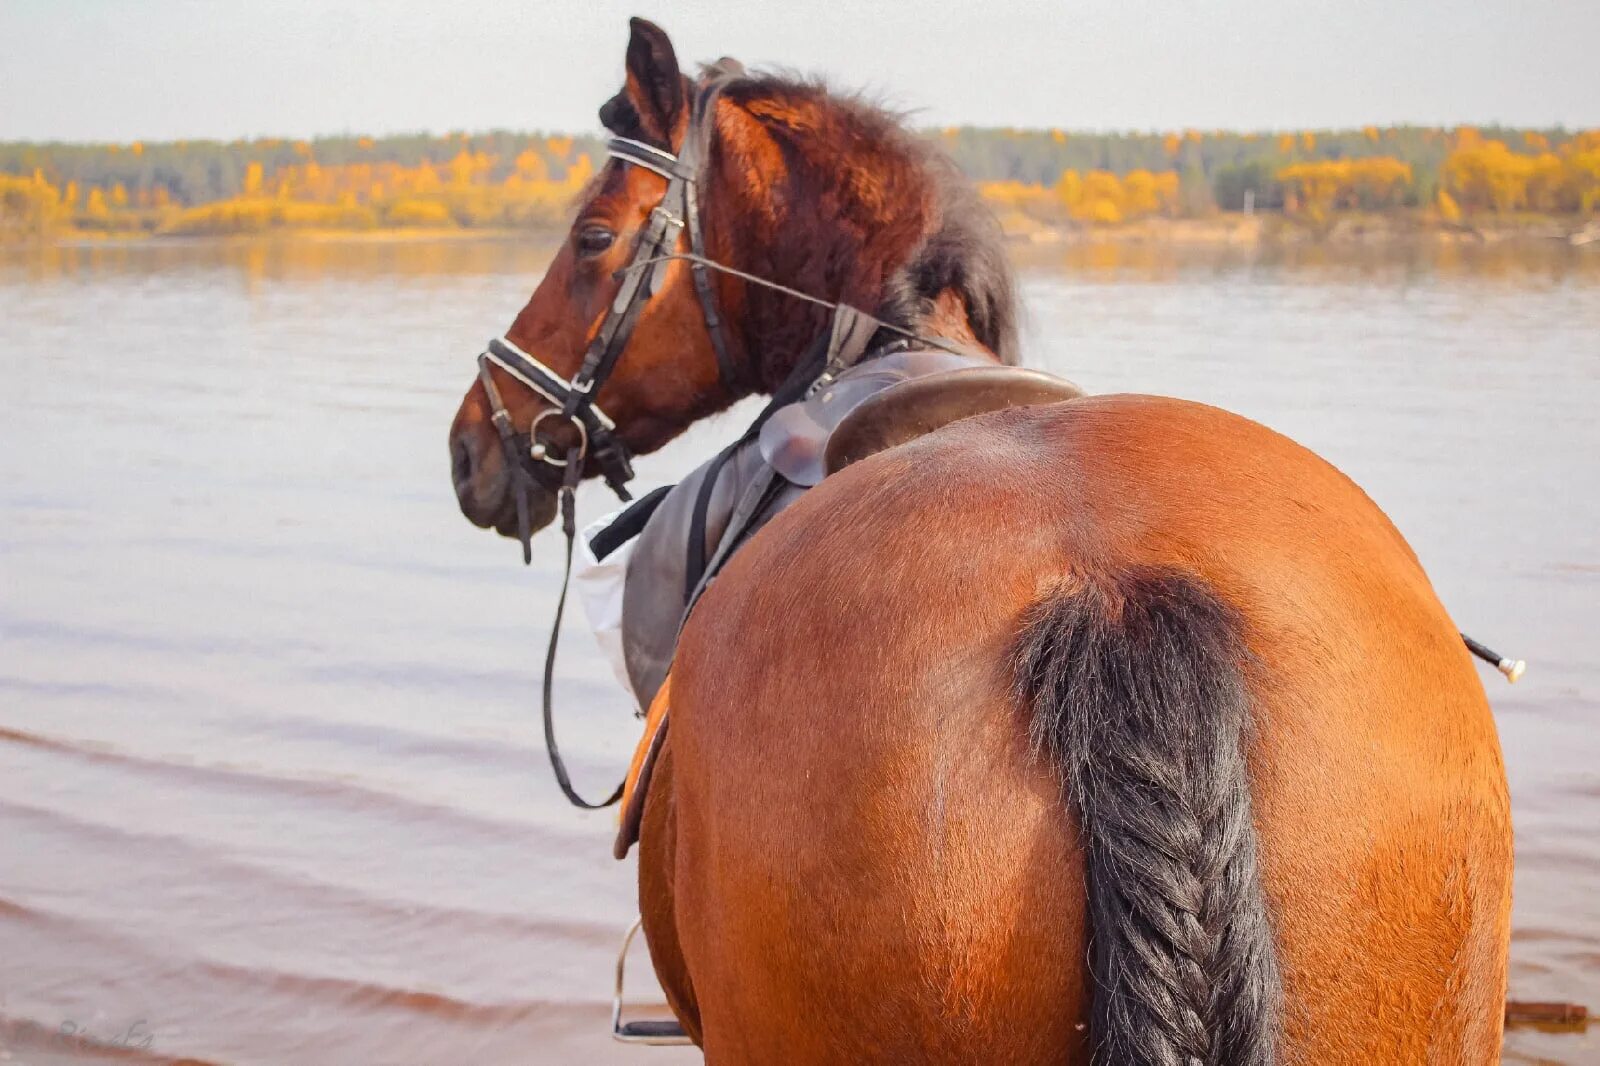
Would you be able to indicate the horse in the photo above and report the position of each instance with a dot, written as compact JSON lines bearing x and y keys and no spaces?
{"x":1121,"y":729}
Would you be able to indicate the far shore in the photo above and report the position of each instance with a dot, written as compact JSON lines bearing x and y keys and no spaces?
{"x":1235,"y":229}
{"x":1273,"y":228}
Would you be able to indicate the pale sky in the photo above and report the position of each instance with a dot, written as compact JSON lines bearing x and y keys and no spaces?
{"x":163,"y":69}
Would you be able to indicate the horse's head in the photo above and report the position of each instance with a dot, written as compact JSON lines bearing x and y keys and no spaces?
{"x":670,"y":376}
{"x":820,"y":194}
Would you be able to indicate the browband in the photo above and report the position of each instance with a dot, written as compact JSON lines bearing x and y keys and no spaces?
{"x":648,"y":156}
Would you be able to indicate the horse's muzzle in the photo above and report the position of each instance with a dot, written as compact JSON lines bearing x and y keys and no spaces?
{"x":483,"y":485}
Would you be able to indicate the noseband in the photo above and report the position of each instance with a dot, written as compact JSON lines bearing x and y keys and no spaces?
{"x":573,"y":401}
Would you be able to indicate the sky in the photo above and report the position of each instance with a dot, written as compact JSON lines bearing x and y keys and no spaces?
{"x":164,"y":69}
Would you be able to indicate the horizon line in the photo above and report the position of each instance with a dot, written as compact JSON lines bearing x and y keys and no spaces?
{"x":598,"y":132}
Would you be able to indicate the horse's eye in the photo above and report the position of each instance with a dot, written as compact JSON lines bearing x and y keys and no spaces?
{"x":592,"y":240}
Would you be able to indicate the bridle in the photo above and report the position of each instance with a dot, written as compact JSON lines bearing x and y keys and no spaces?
{"x":574,"y":400}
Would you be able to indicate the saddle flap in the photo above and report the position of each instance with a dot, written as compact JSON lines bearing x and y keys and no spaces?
{"x":918,"y":406}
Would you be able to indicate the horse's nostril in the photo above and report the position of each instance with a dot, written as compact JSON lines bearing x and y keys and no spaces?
{"x":460,"y":461}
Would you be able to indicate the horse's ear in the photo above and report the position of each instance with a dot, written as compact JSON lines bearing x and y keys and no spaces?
{"x":726,"y":67}
{"x":655,"y":94}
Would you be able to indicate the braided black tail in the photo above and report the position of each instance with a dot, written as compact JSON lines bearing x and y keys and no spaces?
{"x":1138,"y":695}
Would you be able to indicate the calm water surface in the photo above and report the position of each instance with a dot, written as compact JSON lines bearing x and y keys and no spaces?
{"x":271,"y":786}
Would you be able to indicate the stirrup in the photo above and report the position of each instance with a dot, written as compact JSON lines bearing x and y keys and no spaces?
{"x":659,"y":1032}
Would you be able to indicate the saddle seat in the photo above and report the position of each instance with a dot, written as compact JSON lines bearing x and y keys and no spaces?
{"x":918,"y":406}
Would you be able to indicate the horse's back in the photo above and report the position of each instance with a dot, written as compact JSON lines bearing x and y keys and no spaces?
{"x":882,"y":867}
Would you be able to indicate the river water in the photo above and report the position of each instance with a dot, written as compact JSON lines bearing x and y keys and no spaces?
{"x":271,"y":784}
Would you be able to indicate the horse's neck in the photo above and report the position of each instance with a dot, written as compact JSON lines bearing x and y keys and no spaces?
{"x":787,"y":252}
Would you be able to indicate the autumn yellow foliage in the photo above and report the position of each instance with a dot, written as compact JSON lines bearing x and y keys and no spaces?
{"x":466,"y":190}
{"x":427,"y":214}
{"x":1448,"y":209}
{"x":28,"y":206}
{"x":1097,"y":197}
{"x":260,"y":214}
{"x":502,"y":180}
{"x":463,"y":191}
{"x":1328,"y":184}
{"x":1486,"y":175}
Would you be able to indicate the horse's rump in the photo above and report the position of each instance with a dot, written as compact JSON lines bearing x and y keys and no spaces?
{"x":882,"y":863}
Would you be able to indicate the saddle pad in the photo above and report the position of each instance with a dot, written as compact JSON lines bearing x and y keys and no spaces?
{"x":637,"y":783}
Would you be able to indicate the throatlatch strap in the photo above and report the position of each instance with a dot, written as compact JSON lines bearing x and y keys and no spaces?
{"x":697,"y":154}
{"x":726,"y":370}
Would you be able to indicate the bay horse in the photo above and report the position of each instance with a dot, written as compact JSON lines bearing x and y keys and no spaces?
{"x":1116,"y":730}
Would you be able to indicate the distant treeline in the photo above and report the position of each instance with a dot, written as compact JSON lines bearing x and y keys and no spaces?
{"x":1230,"y":162}
{"x":189,"y":173}
{"x":505,"y":179}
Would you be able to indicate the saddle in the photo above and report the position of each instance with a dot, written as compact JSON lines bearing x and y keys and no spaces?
{"x":899,"y":413}
{"x":919,"y":406}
